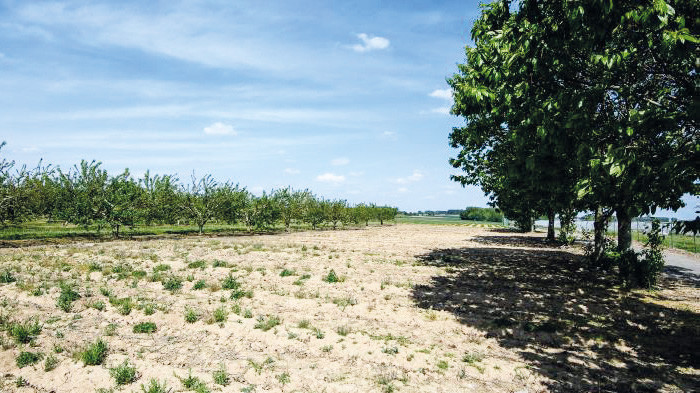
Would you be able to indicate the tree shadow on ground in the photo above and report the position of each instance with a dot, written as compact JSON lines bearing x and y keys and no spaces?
{"x":517,"y":240}
{"x":570,"y":324}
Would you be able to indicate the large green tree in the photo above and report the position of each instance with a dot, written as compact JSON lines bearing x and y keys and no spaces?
{"x":606,"y":87}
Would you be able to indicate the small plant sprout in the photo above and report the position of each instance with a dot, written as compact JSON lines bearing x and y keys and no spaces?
{"x":95,"y":353}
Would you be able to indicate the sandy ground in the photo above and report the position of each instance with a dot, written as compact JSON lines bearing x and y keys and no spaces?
{"x":412,"y":312}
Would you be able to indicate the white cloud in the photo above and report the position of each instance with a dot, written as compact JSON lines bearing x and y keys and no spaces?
{"x":292,"y":171}
{"x":330,"y":178}
{"x":402,"y":189}
{"x":370,"y":43}
{"x":444,"y":110}
{"x":356,"y":174}
{"x":340,"y":161}
{"x":389,"y":135}
{"x":416,"y":176}
{"x":220,"y":128}
{"x":445,"y":94}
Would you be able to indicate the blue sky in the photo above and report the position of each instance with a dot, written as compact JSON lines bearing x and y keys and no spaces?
{"x":346,"y":98}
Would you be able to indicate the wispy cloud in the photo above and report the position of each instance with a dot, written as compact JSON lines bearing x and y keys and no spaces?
{"x":291,"y":171}
{"x":443,"y":110}
{"x":220,"y":128}
{"x":330,"y":178}
{"x":340,"y":161}
{"x":414,"y":177}
{"x":370,"y":43}
{"x":445,"y":94}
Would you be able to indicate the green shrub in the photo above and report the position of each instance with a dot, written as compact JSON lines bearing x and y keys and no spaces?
{"x":95,"y":353}
{"x":221,"y":376}
{"x":24,"y":332}
{"x":172,"y":284}
{"x":161,"y":268}
{"x":145,"y":327}
{"x":267,"y":324}
{"x":27,"y":359}
{"x":331,"y":277}
{"x":220,"y":314}
{"x":67,"y":297}
{"x":230,"y":283}
{"x":191,"y":316}
{"x":50,"y":363}
{"x":201,"y":284}
{"x":155,"y":387}
{"x":123,"y":374}
{"x":648,"y":268}
{"x":6,"y":277}
{"x":200,"y":264}
{"x":287,"y":272}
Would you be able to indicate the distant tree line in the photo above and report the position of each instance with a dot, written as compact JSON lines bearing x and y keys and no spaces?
{"x":86,"y":195}
{"x":481,"y":214}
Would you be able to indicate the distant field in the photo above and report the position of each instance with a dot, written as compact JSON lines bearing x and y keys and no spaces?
{"x":445,"y":220}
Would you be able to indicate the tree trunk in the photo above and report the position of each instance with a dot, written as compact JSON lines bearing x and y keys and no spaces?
{"x":598,"y":234}
{"x":624,"y":230}
{"x":550,"y":226}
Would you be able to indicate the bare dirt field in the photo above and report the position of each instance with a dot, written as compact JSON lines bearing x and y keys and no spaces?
{"x":406,"y":308}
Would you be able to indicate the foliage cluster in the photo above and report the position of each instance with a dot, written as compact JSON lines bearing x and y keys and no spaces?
{"x":86,"y":195}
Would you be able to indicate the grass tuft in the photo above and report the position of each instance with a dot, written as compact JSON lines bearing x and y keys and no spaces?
{"x":95,"y":353}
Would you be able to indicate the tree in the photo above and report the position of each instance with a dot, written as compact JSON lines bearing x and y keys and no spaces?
{"x":159,"y":199}
{"x":82,"y":199}
{"x":608,"y":87}
{"x":15,"y":202}
{"x":233,"y":203}
{"x":123,"y":198}
{"x":337,"y":212}
{"x":200,"y":200}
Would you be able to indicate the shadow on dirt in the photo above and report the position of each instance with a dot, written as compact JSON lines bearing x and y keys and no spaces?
{"x":571,"y":325}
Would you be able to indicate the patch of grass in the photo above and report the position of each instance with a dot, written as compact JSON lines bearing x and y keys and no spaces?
{"x":221,"y":376}
{"x":111,"y":329}
{"x":230,"y":282}
{"x":154,"y":386}
{"x":287,"y":272}
{"x":148,"y":309}
{"x":67,"y":297}
{"x":173,"y":283}
{"x":27,"y":358}
{"x":318,"y":333}
{"x":145,"y":327}
{"x":267,"y":324}
{"x":161,"y":268}
{"x":98,"y":305}
{"x":139,"y":274}
{"x":193,"y":383}
{"x":283,"y":378}
{"x":248,"y":313}
{"x":201,"y":284}
{"x":343,"y":302}
{"x":24,"y":332}
{"x":343,"y":330}
{"x":95,"y":353}
{"x":7,"y":277}
{"x":219,"y":263}
{"x":199,"y":264}
{"x":191,"y":316}
{"x":443,"y":365}
{"x":258,"y":367}
{"x":390,"y":350}
{"x":220,"y":314}
{"x":239,"y":293}
{"x":124,"y":373}
{"x":332,"y":277}
{"x":327,"y":348}
{"x":50,"y":363}
{"x":304,"y":324}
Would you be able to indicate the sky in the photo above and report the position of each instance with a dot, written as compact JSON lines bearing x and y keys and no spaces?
{"x":348,"y":99}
